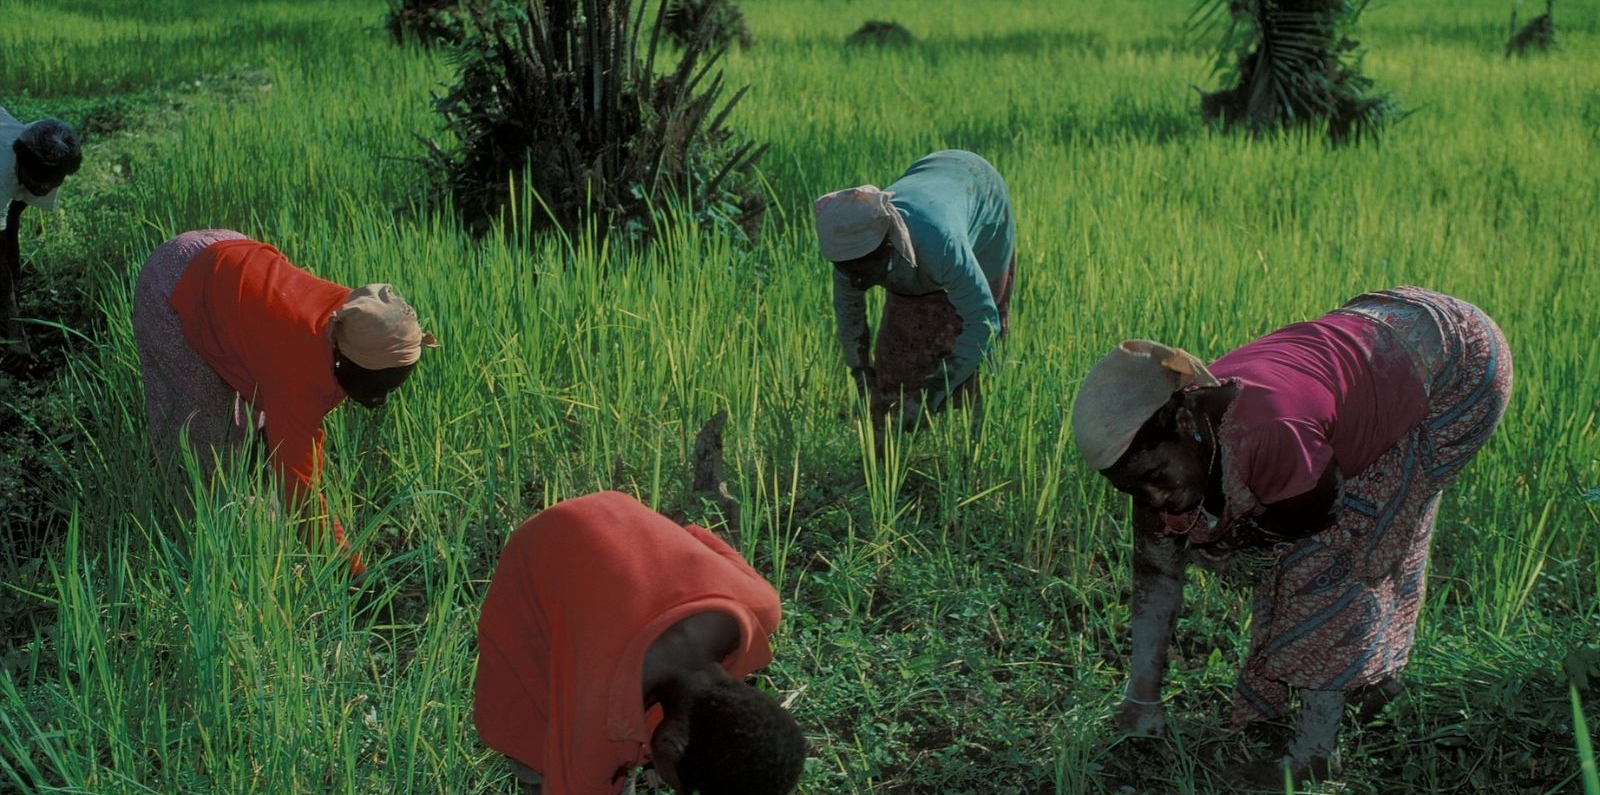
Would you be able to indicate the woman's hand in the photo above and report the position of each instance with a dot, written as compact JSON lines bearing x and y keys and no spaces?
{"x":1139,"y":717}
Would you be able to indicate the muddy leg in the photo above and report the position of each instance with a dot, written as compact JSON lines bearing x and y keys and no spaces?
{"x":1316,"y":730}
{"x":1313,"y":751}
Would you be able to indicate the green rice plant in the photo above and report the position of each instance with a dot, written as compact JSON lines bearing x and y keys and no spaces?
{"x":1517,"y":565}
{"x":956,"y":618}
{"x":219,"y":665}
{"x":81,"y":49}
{"x":886,"y":464}
{"x":1076,"y":767}
{"x":773,"y":501}
{"x":1580,"y":727}
{"x":956,"y":468}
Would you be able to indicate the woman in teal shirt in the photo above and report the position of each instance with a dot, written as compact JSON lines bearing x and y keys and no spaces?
{"x":942,"y":241}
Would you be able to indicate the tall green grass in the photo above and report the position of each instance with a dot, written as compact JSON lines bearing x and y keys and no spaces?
{"x":956,"y":613}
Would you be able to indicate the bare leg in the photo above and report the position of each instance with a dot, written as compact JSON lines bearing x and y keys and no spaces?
{"x":1316,"y":730}
{"x":1313,"y":752}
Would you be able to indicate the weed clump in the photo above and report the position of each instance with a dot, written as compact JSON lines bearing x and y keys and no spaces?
{"x":720,"y":22}
{"x":427,"y":22}
{"x":878,"y":33}
{"x":561,"y":117}
{"x":1539,"y":35}
{"x":1293,"y":66}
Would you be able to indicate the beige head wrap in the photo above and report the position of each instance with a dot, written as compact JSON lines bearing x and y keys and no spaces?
{"x":377,"y":329}
{"x":1124,"y":390}
{"x":853,"y":222}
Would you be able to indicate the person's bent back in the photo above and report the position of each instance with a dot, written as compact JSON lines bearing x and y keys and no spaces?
{"x":611,"y":638}
{"x":34,"y":160}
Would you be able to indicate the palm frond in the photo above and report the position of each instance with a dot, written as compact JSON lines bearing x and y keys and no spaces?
{"x":1292,"y":67}
{"x":563,"y":99}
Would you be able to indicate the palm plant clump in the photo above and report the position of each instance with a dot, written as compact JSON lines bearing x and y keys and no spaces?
{"x":1293,"y":65}
{"x":562,"y":99}
{"x":720,"y":21}
{"x":879,"y":33}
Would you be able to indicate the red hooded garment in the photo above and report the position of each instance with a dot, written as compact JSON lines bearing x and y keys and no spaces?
{"x":581,"y":591}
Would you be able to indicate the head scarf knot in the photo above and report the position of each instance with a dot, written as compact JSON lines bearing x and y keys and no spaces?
{"x":853,"y":222}
{"x":1126,"y":388}
{"x":376,"y":329}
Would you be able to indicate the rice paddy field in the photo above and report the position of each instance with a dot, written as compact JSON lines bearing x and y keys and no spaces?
{"x":956,"y":614}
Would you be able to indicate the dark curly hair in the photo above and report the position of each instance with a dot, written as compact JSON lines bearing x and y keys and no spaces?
{"x":741,"y":742}
{"x":48,"y":148}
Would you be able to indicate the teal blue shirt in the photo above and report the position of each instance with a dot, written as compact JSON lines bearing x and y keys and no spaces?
{"x":958,"y":214}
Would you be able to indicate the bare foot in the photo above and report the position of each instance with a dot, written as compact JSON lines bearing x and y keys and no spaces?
{"x":1142,"y":719}
{"x":1270,"y":776}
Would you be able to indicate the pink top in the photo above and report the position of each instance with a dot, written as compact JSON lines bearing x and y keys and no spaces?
{"x":1338,"y":388}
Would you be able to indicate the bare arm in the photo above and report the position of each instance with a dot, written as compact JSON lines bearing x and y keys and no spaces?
{"x":850,"y":320}
{"x":980,"y":323}
{"x":1157,"y":597}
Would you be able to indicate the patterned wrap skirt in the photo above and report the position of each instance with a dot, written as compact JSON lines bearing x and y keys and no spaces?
{"x":1338,"y":610}
{"x":919,"y":331}
{"x":183,"y":396}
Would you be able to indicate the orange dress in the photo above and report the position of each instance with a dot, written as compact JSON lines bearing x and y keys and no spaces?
{"x":581,"y":591}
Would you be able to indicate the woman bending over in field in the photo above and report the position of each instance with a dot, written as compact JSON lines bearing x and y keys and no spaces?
{"x":234,"y":339}
{"x":1322,"y":446}
{"x":942,"y":241}
{"x":34,"y":160}
{"x":613,"y":637}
